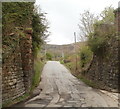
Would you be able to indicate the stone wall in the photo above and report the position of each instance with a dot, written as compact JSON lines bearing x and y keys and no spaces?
{"x":17,"y":66}
{"x":104,"y":71}
{"x":27,"y":59}
{"x":117,"y":19}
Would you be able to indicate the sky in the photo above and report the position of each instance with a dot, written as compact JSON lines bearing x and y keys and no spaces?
{"x":63,"y":16}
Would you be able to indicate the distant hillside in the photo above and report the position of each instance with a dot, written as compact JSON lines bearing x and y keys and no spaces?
{"x":63,"y":49}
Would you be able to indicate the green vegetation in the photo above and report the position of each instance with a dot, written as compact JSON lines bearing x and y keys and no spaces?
{"x":71,"y":65}
{"x":18,"y":18}
{"x":70,"y":62}
{"x":49,"y":56}
{"x":40,"y":30}
{"x":62,"y":61}
{"x":104,"y":30}
{"x":87,"y":81}
{"x":85,"y":56}
{"x":97,"y":31}
{"x":38,"y":67}
{"x":107,"y":15}
{"x":16,"y":14}
{"x":97,"y":45}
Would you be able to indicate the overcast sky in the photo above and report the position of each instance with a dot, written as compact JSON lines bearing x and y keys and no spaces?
{"x":63,"y":16}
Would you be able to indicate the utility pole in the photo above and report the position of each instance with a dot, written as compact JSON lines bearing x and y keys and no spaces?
{"x":75,"y":49}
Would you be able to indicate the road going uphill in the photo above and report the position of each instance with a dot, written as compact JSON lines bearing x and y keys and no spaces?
{"x":59,"y":88}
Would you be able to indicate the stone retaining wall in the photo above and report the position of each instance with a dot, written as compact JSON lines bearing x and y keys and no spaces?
{"x":17,"y":66}
{"x":104,"y":71}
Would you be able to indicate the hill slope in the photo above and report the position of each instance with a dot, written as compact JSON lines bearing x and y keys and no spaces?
{"x":61,"y":50}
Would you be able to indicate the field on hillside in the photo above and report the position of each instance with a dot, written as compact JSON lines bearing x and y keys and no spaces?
{"x":62,"y":51}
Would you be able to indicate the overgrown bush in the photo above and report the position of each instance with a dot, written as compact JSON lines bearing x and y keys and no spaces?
{"x":97,"y":45}
{"x":48,"y":56}
{"x":99,"y":30}
{"x":40,"y":30}
{"x":85,"y":56}
{"x":99,"y":39}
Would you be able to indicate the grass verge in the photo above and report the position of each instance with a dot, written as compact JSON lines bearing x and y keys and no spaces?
{"x":38,"y":67}
{"x":71,"y":67}
{"x":87,"y":82}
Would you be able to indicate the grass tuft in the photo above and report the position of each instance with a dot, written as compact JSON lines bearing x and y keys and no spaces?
{"x":38,"y":67}
{"x":88,"y":82}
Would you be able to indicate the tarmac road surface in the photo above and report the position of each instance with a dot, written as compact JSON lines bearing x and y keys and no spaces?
{"x":59,"y":88}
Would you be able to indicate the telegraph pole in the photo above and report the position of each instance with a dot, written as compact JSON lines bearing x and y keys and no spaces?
{"x":75,"y":49}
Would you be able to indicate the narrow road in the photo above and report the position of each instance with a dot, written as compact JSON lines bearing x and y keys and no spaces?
{"x":61,"y":89}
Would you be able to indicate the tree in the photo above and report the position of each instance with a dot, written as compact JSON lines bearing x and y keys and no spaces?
{"x":88,"y":21}
{"x":86,"y":25}
{"x":107,"y":15}
{"x":104,"y":31}
{"x":40,"y":30}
